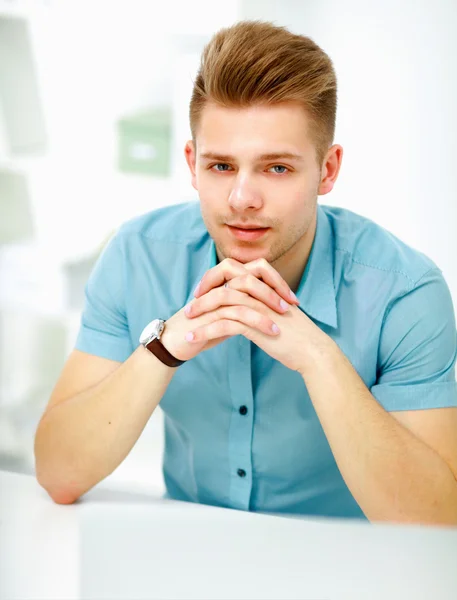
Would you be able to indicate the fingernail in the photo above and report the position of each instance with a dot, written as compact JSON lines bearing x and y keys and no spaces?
{"x":189,"y":336}
{"x":197,"y":288}
{"x":283,"y":304}
{"x":293,"y":296}
{"x":275,"y":328}
{"x":187,"y":309}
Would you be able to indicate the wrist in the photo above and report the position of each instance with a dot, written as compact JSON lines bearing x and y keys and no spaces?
{"x":318,"y":354}
{"x":168,"y":342}
{"x":151,"y":339}
{"x":149,"y":361}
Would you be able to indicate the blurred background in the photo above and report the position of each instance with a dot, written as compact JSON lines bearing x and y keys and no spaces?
{"x":93,"y":120}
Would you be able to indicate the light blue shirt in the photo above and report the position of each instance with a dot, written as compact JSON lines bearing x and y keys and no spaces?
{"x":386,"y":305}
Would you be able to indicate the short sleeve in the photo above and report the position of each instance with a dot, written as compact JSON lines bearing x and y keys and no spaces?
{"x":418,"y":348}
{"x":104,"y":329}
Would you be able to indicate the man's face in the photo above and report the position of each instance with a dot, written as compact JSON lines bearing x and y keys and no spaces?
{"x":255,"y":167}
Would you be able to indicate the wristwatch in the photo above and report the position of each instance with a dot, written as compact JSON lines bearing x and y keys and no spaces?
{"x":150,"y":339}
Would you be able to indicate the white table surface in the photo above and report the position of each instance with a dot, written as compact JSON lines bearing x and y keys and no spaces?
{"x":116,"y":544}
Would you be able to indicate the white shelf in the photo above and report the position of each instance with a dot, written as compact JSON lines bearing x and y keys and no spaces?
{"x":76,"y":204}
{"x":22,"y":164}
{"x":15,"y":8}
{"x":23,"y":126}
{"x":23,"y":9}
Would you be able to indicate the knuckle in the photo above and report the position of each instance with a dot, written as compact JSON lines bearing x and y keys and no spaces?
{"x":244,"y":312}
{"x":225,"y":327}
{"x":274,"y":298}
{"x":223,"y":314}
{"x":260,"y":263}
{"x":231,"y":263}
{"x":219,"y":313}
{"x":242,"y":279}
{"x":266,"y":323}
{"x":250,"y":279}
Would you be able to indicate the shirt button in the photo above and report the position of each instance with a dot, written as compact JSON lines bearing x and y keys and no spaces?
{"x":241,"y":473}
{"x":243,"y":410}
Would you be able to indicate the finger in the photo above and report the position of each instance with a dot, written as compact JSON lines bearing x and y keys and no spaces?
{"x":251,"y":285}
{"x":262,"y":269}
{"x":226,"y":296}
{"x":215,"y":277}
{"x":219,"y":329}
{"x":245,"y":316}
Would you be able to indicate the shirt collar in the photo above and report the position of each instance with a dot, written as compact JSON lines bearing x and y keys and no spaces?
{"x":316,"y":291}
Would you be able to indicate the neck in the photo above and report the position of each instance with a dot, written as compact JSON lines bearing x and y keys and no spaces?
{"x":292,"y":264}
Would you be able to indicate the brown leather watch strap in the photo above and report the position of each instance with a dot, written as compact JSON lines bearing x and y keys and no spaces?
{"x":158,"y":349}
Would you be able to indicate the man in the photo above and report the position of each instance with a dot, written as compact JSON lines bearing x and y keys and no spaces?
{"x":303,"y":356}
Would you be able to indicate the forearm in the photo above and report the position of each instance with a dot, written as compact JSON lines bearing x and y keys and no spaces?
{"x":392,"y":474}
{"x":83,"y":439}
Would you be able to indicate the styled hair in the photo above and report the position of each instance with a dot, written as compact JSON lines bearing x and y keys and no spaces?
{"x":259,"y":63}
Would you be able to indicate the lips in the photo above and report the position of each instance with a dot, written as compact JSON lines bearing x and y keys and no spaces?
{"x":248,"y":233}
{"x":247,"y":226}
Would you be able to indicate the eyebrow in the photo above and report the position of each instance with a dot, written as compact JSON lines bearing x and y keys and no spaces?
{"x":261,"y":157}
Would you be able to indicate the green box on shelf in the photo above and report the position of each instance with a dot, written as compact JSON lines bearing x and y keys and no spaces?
{"x":145,"y":142}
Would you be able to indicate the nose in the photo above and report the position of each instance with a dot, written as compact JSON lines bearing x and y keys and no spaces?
{"x":244,"y":195}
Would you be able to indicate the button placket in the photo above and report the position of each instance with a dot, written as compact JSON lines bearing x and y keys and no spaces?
{"x":240,"y":434}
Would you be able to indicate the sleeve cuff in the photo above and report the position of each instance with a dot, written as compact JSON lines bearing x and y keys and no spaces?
{"x":416,"y":396}
{"x":103,"y":344}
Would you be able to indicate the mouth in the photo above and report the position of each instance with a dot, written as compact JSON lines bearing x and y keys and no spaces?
{"x":248,"y":233}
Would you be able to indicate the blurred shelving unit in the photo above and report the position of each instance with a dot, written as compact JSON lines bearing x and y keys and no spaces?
{"x":71,"y":157}
{"x":66,"y":80}
{"x":61,"y":192}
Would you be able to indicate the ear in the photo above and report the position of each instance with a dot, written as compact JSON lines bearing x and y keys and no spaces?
{"x":189,"y":152}
{"x":330,"y":169}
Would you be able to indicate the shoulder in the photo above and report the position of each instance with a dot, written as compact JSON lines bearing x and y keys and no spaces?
{"x":175,"y":223}
{"x":369,"y":248}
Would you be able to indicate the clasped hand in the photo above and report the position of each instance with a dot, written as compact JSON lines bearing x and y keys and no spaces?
{"x":250,"y":299}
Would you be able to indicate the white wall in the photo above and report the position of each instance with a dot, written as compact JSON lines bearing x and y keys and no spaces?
{"x":96,"y":62}
{"x":396,"y":64}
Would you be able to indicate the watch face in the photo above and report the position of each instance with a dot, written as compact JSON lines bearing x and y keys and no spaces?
{"x":151,"y":331}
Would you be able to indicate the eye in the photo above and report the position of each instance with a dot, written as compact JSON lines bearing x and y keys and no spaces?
{"x":220,"y":165}
{"x":279,"y":167}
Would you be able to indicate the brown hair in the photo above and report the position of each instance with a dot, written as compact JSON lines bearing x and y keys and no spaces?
{"x":255,"y":62}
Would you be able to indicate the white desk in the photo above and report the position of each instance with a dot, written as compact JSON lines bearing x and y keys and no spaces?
{"x":112,"y":544}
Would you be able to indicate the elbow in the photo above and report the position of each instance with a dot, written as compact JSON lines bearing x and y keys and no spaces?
{"x":58,"y":494}
{"x":57,"y":487}
{"x":63,"y":497}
